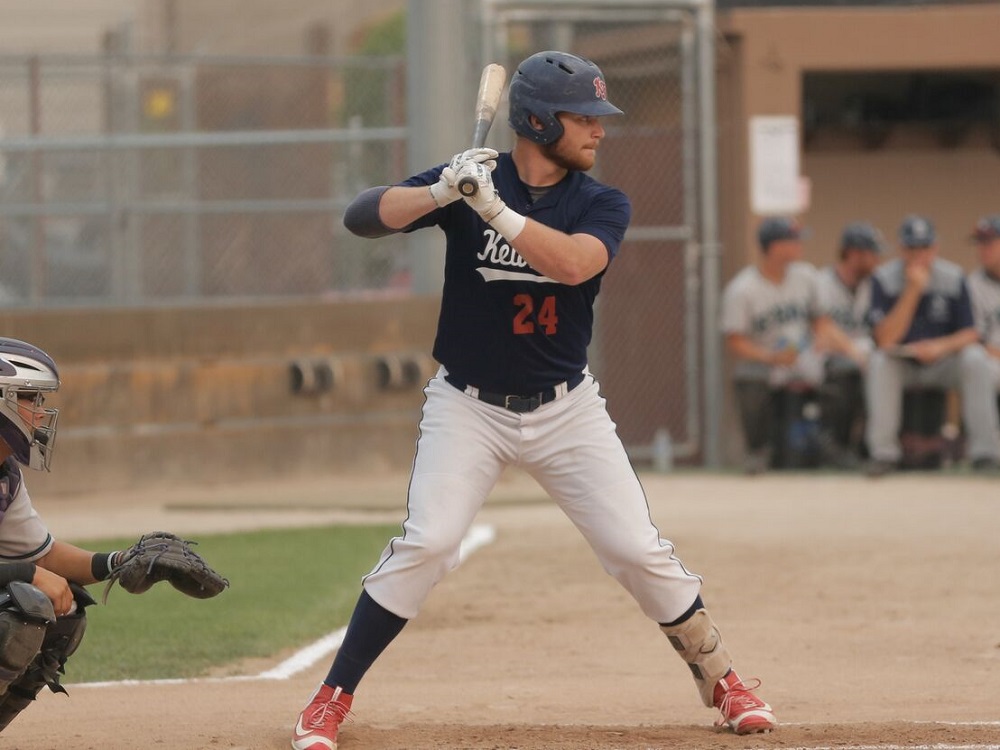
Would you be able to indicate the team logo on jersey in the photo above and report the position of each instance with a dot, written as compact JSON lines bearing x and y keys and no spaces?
{"x":600,"y":88}
{"x":778,"y":316}
{"x":938,"y":309}
{"x":498,"y":252}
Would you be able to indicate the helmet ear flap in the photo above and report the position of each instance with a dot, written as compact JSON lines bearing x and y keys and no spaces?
{"x":546,"y":129}
{"x":530,"y":116}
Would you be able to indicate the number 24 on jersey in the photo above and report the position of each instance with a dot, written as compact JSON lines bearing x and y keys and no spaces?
{"x":531,"y":314}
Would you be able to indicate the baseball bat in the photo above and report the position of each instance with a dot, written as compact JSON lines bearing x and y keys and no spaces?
{"x":490,"y":89}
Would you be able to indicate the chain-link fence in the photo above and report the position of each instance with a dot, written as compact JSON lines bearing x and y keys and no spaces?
{"x":647,"y":346}
{"x":149,"y":180}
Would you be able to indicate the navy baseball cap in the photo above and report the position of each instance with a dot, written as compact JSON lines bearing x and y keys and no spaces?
{"x":916,"y":232}
{"x":860,"y":235}
{"x":777,"y":228}
{"x":986,"y":229}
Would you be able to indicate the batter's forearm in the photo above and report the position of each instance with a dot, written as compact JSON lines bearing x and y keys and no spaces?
{"x":568,"y":259}
{"x":401,"y":206}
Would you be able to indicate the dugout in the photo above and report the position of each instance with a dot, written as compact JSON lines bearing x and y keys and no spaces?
{"x":898,"y":111}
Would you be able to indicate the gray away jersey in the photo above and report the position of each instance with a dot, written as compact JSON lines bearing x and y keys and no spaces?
{"x":23,"y":534}
{"x":847,"y":307}
{"x":985,"y":292}
{"x":772,"y":315}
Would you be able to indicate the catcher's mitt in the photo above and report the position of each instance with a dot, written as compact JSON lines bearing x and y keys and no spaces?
{"x":161,"y":556}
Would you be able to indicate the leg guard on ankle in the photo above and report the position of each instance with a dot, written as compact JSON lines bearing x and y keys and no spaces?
{"x":699,"y":643}
{"x":60,"y":639}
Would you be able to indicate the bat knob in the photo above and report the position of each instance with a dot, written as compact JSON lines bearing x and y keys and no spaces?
{"x":468,"y":187}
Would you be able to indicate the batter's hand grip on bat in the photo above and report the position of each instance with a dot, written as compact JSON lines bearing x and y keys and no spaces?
{"x":488,"y":99}
{"x":468,"y":186}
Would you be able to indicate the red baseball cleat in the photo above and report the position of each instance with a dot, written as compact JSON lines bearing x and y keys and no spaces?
{"x":743,"y":711}
{"x":320,"y":721}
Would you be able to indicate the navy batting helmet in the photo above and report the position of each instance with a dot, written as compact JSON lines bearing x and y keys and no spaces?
{"x":26,"y":425}
{"x":551,"y":82}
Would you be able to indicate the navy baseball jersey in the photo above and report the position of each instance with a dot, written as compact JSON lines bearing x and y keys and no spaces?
{"x":944,"y":308}
{"x":504,"y":327}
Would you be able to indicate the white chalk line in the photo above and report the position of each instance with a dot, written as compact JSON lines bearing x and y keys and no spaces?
{"x":936,"y":746}
{"x":479,"y":535}
{"x":911,"y":721}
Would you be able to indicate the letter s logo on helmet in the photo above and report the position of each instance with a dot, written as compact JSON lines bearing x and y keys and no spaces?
{"x":550,"y":82}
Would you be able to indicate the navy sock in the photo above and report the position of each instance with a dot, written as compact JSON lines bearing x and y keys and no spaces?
{"x":687,"y":615}
{"x":371,"y":629}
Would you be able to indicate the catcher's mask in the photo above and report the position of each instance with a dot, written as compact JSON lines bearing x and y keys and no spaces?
{"x":26,"y":424}
{"x":551,"y":82}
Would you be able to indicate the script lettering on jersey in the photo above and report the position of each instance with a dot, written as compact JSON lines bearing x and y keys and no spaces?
{"x":778,"y":316}
{"x":498,"y":251}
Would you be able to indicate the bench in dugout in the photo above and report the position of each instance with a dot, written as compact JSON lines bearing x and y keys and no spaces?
{"x":922,"y":438}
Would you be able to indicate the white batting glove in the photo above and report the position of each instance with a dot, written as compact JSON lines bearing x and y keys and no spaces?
{"x":485,"y":156}
{"x":488,"y":203}
{"x":444,"y":191}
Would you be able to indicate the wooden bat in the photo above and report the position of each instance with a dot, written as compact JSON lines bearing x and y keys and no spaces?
{"x":490,"y":89}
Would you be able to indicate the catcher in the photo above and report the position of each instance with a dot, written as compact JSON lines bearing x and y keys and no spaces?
{"x":42,"y":596}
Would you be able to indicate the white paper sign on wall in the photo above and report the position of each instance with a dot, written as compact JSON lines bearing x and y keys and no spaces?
{"x":775,"y":184}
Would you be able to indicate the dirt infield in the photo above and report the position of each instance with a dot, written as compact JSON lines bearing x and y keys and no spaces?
{"x":870,"y":610}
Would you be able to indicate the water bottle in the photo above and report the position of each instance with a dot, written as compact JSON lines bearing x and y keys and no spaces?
{"x":811,"y":413}
{"x":663,"y":451}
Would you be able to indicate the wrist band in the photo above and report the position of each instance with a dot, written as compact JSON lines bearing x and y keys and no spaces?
{"x":430,"y":189}
{"x":101,"y":564}
{"x":509,"y":223}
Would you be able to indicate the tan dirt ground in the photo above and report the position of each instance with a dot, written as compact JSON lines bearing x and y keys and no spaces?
{"x":870,"y":610}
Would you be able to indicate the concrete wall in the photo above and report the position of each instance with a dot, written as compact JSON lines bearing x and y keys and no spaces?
{"x":771,"y":50}
{"x":209,"y":395}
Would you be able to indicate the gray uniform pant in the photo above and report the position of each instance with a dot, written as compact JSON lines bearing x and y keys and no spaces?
{"x":967,"y":371}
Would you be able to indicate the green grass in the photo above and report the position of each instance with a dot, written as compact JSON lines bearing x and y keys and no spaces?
{"x":287,"y":588}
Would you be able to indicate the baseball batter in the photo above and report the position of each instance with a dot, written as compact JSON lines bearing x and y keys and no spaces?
{"x":524,"y":262}
{"x":42,"y":599}
{"x":984,"y":288}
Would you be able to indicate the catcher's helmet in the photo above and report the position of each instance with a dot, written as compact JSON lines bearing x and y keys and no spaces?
{"x":29,"y":428}
{"x":551,"y":82}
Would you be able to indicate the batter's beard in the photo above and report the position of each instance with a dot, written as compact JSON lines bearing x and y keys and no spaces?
{"x":574,"y":162}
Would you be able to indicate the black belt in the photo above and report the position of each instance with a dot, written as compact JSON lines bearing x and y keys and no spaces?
{"x":516,"y":403}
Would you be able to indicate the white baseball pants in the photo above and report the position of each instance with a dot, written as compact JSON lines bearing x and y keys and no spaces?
{"x":571,"y":448}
